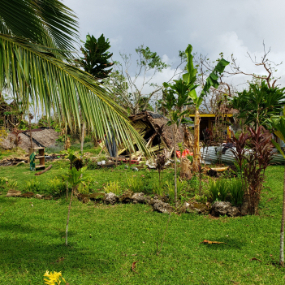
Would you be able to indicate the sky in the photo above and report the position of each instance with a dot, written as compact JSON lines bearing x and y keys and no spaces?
{"x":167,"y":26}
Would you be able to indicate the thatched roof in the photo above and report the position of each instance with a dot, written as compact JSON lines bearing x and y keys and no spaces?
{"x":41,"y":137}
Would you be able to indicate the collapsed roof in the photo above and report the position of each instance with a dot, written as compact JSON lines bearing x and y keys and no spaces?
{"x":157,"y":134}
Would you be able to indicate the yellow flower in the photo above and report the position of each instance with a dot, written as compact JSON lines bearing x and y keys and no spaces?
{"x":54,"y":278}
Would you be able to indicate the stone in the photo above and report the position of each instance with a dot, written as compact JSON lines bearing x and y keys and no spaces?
{"x":111,"y":198}
{"x":83,"y":197}
{"x":233,"y":212}
{"x":28,"y":195}
{"x":139,"y":198}
{"x":225,"y":208}
{"x":165,"y":198}
{"x":126,"y":197}
{"x":183,"y":208}
{"x":152,"y":201}
{"x":13,"y":193}
{"x":220,"y":208}
{"x":97,"y":197}
{"x":200,"y":208}
{"x":48,"y":197}
{"x":39,"y":196}
{"x":162,"y":207}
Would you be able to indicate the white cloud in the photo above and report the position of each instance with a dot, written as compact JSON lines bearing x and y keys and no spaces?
{"x":167,"y":26}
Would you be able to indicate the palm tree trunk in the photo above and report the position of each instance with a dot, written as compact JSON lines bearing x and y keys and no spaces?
{"x":67,"y":222}
{"x":196,"y":148}
{"x":282,"y":227}
{"x":175,"y":168}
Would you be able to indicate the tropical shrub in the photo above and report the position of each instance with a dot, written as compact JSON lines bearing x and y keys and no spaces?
{"x":231,"y":190}
{"x":33,"y":185}
{"x":219,"y":189}
{"x":257,"y":160}
{"x":135,"y":183}
{"x":84,"y":186}
{"x":113,"y":187}
{"x":236,"y":191}
{"x":56,"y":186}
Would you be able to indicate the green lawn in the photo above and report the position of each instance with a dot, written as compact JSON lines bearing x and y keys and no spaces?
{"x":106,"y":240}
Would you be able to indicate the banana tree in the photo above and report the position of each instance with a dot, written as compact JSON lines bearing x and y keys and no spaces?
{"x":278,"y":124}
{"x":211,"y":81}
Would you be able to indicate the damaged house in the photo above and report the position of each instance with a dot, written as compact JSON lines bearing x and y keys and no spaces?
{"x":158,"y":136}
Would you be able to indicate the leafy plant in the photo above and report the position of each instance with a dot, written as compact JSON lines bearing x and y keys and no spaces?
{"x":219,"y":189}
{"x":157,"y":189}
{"x":56,"y":186}
{"x":201,"y":198}
{"x":33,"y":185}
{"x":74,"y":178}
{"x":257,"y":160}
{"x":134,"y":183}
{"x":113,"y":187}
{"x":257,"y":104}
{"x":236,"y":191}
{"x":12,"y":183}
{"x":170,"y":189}
{"x":3,"y":180}
{"x":212,"y":81}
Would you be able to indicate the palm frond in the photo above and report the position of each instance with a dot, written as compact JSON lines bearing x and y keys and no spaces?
{"x":37,"y":77}
{"x":47,"y":22}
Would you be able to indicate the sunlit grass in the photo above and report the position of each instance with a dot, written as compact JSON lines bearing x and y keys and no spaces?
{"x":106,"y":240}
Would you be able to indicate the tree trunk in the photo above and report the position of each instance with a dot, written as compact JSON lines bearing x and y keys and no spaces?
{"x":282,"y":227}
{"x":175,"y":167}
{"x":82,"y":138}
{"x":67,"y":222}
{"x":66,"y":188}
{"x":196,"y":150}
{"x":30,"y":126}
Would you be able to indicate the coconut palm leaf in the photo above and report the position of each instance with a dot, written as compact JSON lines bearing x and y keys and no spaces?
{"x":47,"y":22}
{"x":37,"y":77}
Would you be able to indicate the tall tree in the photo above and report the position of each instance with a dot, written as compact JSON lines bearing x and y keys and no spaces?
{"x":96,"y":57}
{"x":33,"y":66}
{"x":130,"y":89}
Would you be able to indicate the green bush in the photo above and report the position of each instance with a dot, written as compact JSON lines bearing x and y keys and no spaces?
{"x":92,"y":164}
{"x":219,"y":189}
{"x":135,"y":183}
{"x":84,"y":186}
{"x":56,"y":186}
{"x":113,"y":187}
{"x":230,"y":190}
{"x":33,"y":185}
{"x":236,"y":190}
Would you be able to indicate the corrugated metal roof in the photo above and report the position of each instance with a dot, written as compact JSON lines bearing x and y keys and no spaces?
{"x":210,"y":156}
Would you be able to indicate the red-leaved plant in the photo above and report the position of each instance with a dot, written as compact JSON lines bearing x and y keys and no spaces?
{"x":257,"y":156}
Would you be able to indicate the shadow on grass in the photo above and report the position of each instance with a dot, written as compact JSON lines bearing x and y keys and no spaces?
{"x":40,"y":256}
{"x":227,"y":243}
{"x":7,"y":201}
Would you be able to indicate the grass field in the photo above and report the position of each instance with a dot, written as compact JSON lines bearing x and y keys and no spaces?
{"x":106,"y":240}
